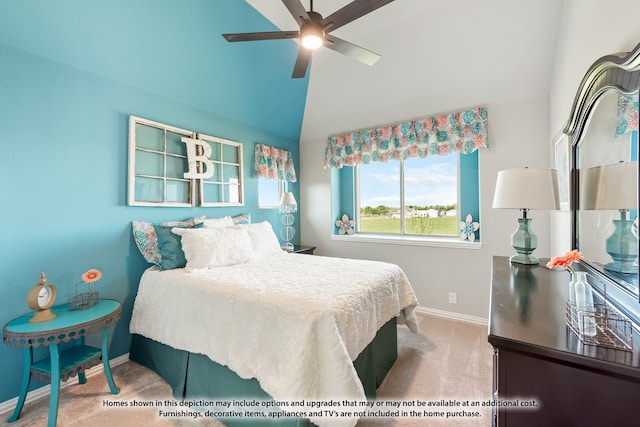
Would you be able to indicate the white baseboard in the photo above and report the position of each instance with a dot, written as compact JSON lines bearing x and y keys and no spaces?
{"x":10,"y":404}
{"x":451,"y":315}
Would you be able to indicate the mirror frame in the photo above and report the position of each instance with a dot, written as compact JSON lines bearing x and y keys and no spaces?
{"x":620,"y":72}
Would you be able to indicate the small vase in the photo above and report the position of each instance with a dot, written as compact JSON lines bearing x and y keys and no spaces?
{"x":584,"y":305}
{"x":572,"y":288}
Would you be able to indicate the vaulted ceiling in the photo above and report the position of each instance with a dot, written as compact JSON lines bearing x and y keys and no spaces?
{"x":437,"y":56}
{"x":170,"y":48}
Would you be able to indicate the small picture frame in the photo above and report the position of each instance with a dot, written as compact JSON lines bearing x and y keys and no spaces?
{"x":561,"y":144}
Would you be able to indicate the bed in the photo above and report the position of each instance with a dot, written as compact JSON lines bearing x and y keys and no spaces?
{"x":243,"y":318}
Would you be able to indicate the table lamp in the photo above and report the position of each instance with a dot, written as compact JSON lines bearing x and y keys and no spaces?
{"x":288,"y":205}
{"x":614,"y":187}
{"x":526,"y":189}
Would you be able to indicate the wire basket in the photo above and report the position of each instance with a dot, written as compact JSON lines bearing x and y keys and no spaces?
{"x":84,"y":300}
{"x":602,"y":326}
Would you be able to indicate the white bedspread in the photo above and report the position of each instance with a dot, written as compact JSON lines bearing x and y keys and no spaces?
{"x":295,"y":322}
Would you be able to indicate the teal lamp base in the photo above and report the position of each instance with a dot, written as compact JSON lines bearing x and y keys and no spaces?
{"x":622,"y":246}
{"x":524,"y":259}
{"x":524,"y":242}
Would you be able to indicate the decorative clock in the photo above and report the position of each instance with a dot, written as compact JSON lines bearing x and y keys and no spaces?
{"x":40,"y":298}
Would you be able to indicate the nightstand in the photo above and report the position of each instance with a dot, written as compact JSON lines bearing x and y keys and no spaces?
{"x":303,"y":249}
{"x":60,"y":366}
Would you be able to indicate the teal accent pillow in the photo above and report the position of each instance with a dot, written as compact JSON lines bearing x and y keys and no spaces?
{"x":170,"y":247}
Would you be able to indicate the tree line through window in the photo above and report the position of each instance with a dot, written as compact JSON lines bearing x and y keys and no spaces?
{"x":409,"y":197}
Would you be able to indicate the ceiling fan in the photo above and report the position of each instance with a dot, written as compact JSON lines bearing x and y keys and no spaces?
{"x":314,"y":32}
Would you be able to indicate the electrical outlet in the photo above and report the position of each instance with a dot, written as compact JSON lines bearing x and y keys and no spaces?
{"x":453,"y":298}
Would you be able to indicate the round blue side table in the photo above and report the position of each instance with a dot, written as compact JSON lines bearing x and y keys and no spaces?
{"x":60,"y":366}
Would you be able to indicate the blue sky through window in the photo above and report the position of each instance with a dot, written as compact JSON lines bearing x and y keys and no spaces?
{"x":428,"y":182}
{"x":268,"y":192}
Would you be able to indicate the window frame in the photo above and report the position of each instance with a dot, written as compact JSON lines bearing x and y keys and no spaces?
{"x":402,"y":202}
{"x":134,"y":177}
{"x":280,"y":192}
{"x":343,"y":201}
{"x":194,"y":193}
{"x":220,"y":164}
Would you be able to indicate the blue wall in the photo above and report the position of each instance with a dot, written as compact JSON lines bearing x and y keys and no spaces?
{"x":71,"y":73}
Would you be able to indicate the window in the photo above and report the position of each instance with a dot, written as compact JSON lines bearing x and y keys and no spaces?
{"x":408,"y":197}
{"x":269,"y":192}
{"x":444,"y":187}
{"x":427,"y":158}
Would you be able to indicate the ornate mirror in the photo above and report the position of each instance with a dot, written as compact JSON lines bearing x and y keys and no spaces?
{"x":603,"y":127}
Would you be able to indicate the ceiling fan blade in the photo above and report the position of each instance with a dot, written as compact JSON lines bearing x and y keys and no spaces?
{"x":266,"y":35}
{"x":297,"y":10}
{"x":351,"y":50}
{"x":351,"y":12}
{"x":302,"y":63}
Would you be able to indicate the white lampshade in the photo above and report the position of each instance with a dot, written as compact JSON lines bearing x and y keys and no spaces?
{"x":609,"y":187}
{"x":288,"y":203}
{"x":527,"y":189}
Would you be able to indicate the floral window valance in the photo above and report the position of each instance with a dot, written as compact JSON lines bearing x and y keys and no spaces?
{"x":460,"y":132}
{"x":274,"y":163}
{"x":627,"y":114}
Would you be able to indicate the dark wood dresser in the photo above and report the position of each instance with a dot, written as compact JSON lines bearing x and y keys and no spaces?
{"x":537,"y":358}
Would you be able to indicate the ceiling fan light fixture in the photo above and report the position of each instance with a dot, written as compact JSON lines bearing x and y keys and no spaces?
{"x":311,"y":37}
{"x":315,"y":32}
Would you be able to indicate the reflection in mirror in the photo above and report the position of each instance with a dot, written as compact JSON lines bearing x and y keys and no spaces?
{"x":608,"y":204}
{"x":523,"y":284}
{"x":603,"y":127}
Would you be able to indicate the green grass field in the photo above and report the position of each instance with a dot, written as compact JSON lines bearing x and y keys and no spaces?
{"x":442,"y":226}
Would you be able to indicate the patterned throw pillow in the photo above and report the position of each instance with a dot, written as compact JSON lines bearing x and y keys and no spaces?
{"x":144,"y":234}
{"x":242,"y":219}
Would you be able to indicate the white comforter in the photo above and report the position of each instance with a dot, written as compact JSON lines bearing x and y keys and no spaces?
{"x":295,"y":322}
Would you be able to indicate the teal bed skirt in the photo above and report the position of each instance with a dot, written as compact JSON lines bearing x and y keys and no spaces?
{"x":195,"y":376}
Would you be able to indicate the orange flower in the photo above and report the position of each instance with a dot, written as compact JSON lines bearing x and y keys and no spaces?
{"x":91,"y":276}
{"x":565,"y":260}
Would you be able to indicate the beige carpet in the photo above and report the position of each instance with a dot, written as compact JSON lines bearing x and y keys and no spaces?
{"x":448,"y":360}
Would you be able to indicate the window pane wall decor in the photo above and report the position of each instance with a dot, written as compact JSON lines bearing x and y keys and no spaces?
{"x":166,"y":163}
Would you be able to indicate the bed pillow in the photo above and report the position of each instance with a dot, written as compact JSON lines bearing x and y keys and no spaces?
{"x":214,"y":247}
{"x":242,"y":219}
{"x":225,"y":221}
{"x":170,"y":246}
{"x":147,"y":241}
{"x":263,"y":239}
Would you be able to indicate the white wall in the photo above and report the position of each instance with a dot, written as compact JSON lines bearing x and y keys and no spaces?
{"x":521,"y":134}
{"x":590,"y":29}
{"x":508,"y":68}
{"x":518,"y":134}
